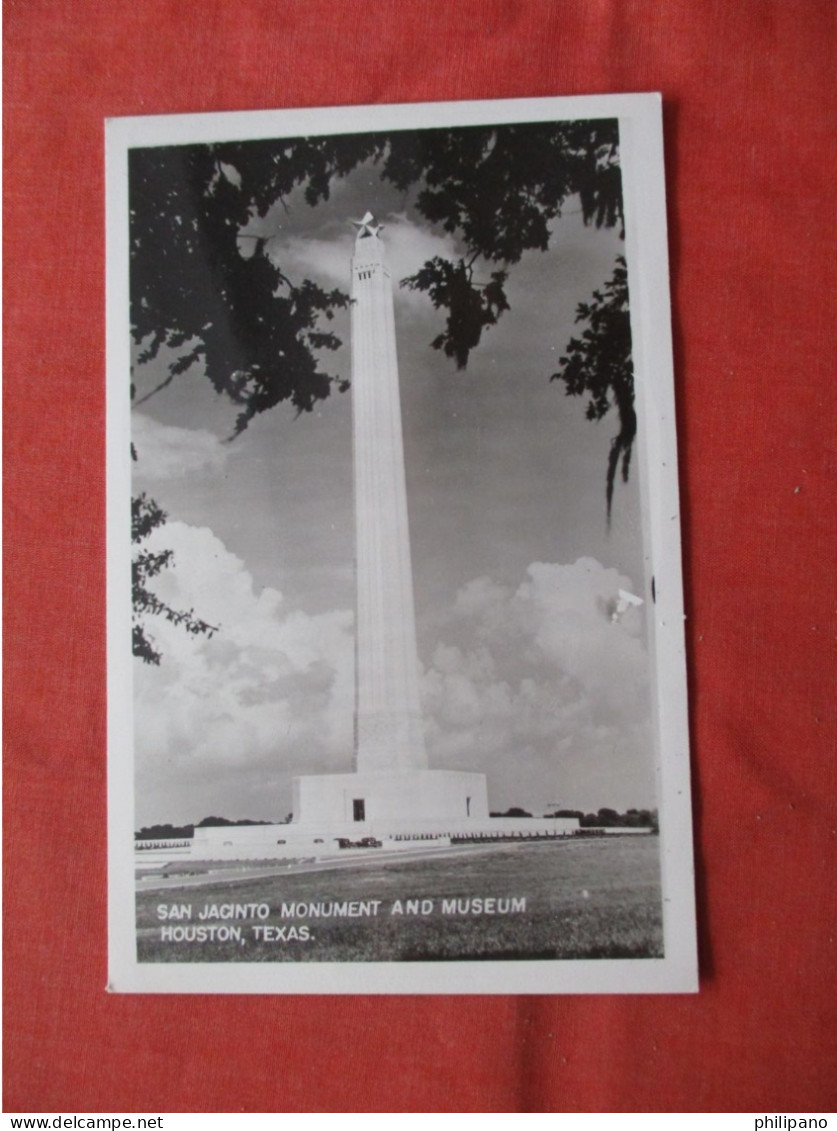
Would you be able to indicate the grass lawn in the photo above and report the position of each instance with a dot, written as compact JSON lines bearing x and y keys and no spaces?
{"x":583,"y":899}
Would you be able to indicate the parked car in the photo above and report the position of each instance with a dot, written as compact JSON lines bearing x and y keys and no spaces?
{"x":364,"y":842}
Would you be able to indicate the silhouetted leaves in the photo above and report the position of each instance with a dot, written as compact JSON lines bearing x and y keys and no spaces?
{"x":203,"y":288}
{"x":213,"y":295}
{"x":146,"y":516}
{"x":471,"y":306}
{"x":199,"y":287}
{"x":599,"y":364}
{"x":498,"y":189}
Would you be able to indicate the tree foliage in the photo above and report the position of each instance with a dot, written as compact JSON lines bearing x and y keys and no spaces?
{"x":214,"y":295}
{"x":599,"y":364}
{"x":497,"y":189}
{"x":224,"y":822}
{"x":471,"y":306}
{"x":206,"y":292}
{"x":146,"y":516}
{"x":215,"y":298}
{"x":165,"y":832}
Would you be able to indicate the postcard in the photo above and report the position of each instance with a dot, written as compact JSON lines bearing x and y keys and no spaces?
{"x":396,"y":682}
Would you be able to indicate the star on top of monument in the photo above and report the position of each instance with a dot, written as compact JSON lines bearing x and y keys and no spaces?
{"x":367,"y":227}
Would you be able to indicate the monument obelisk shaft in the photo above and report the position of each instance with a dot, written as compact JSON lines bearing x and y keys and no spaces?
{"x":388,"y":727}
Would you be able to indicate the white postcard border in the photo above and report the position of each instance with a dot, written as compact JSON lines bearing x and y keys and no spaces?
{"x":640,"y":123}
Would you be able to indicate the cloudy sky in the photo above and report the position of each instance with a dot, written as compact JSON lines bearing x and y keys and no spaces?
{"x":526,"y":674}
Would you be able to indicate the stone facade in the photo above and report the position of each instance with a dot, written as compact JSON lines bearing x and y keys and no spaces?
{"x":388,"y":799}
{"x":388,"y":727}
{"x":392,"y":786}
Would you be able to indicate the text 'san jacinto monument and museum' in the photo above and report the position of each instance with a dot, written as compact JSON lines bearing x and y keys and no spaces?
{"x":391,"y":784}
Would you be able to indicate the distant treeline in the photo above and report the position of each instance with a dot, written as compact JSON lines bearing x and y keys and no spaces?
{"x":604,"y":818}
{"x":180,"y":832}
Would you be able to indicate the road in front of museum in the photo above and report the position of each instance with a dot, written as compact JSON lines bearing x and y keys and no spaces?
{"x":360,"y":858}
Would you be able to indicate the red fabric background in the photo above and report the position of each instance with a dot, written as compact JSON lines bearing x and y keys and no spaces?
{"x":748,"y":127}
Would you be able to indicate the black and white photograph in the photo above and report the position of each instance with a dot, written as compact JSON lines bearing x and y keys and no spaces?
{"x":397,"y":695}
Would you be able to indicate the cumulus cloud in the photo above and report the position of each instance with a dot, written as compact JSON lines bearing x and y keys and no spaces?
{"x":167,"y":452}
{"x":223,"y":723}
{"x":541,"y":689}
{"x":326,"y":261}
{"x":534,"y":685}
